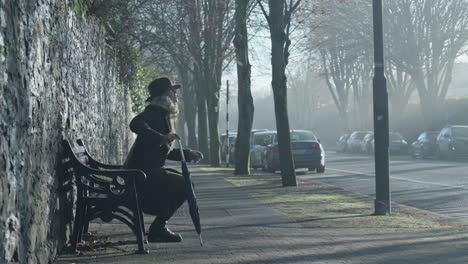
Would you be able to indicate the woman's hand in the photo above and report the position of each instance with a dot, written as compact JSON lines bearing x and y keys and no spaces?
{"x":168,"y":138}
{"x":195,"y":155}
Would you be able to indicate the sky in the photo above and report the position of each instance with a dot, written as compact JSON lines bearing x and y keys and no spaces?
{"x":260,"y":59}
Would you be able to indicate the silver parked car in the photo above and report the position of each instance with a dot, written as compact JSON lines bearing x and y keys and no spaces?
{"x":452,"y":142}
{"x":354,"y":141}
{"x":366,"y":143}
{"x":225,"y":147}
{"x":425,"y":145}
{"x":261,"y":140}
{"x":342,"y":144}
{"x":232,"y":143}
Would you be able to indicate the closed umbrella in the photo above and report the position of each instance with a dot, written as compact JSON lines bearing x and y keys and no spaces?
{"x":191,"y":197}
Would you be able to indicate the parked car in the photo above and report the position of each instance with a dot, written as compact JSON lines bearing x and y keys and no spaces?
{"x":425,"y":145}
{"x":397,"y":144}
{"x":367,"y":143}
{"x":354,"y":141}
{"x":232,"y":149}
{"x":452,"y":142}
{"x":224,"y":144}
{"x":252,"y":133}
{"x":306,"y":150}
{"x":341,"y":144}
{"x":261,"y":140}
{"x":232,"y":144}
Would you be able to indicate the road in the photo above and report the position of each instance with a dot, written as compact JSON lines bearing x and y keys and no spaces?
{"x":437,"y":186}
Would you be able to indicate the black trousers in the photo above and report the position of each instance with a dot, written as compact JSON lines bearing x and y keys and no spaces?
{"x":163,"y":192}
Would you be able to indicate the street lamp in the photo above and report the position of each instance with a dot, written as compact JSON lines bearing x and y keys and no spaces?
{"x":381,"y":123}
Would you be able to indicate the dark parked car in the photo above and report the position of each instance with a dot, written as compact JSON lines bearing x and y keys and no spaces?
{"x":341,"y":144}
{"x":397,"y":144}
{"x":425,"y":146}
{"x":452,"y":142}
{"x":261,"y":140}
{"x":354,"y":141}
{"x":367,"y":143}
{"x":306,"y":149}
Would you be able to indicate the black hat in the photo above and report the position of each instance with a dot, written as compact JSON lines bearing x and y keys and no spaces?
{"x":159,"y":86}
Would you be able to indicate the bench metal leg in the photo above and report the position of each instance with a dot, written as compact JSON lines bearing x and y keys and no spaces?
{"x":84,"y":222}
{"x":142,"y":221}
{"x":139,"y":233}
{"x":86,"y":227}
{"x":78,"y":225}
{"x":139,"y":224}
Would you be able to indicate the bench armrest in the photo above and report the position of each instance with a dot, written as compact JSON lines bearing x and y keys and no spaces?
{"x":93,"y":162}
{"x":137,"y":174}
{"x":96,"y":163}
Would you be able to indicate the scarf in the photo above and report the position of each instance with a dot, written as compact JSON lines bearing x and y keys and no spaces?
{"x":166,"y":103}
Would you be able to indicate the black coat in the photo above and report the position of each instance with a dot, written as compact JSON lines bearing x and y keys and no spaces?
{"x":147,"y":152}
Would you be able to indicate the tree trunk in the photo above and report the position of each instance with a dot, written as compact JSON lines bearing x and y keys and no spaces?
{"x":189,"y":108}
{"x":278,"y":62}
{"x":398,"y":105}
{"x":244,"y":99}
{"x":190,"y":116}
{"x":202,"y":119}
{"x":213,"y":124}
{"x":202,"y":128}
{"x":400,"y":88}
{"x":431,"y":107}
{"x":344,"y":120}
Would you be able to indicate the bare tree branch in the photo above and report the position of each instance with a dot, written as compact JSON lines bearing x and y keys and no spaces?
{"x":267,"y":17}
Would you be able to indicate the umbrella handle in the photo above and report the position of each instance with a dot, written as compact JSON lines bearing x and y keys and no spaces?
{"x":181,"y":150}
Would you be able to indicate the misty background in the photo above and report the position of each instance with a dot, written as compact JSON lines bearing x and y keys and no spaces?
{"x":311,"y":107}
{"x":310,"y":100}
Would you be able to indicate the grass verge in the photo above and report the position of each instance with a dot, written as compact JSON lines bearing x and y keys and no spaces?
{"x":321,"y":205}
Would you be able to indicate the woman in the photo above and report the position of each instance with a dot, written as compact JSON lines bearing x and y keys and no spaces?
{"x":163,"y":192}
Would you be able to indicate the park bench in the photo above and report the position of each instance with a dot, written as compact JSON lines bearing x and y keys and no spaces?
{"x":103,"y":191}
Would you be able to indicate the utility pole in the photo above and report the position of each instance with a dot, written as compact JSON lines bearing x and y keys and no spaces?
{"x":227,"y":123}
{"x":381,"y":123}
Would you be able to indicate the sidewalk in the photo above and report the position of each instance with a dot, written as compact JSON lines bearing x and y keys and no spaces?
{"x":239,"y":228}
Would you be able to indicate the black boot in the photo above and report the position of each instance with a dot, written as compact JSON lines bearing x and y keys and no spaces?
{"x":158,"y":232}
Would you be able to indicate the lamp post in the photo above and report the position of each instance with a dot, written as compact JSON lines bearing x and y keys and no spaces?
{"x":381,"y":122}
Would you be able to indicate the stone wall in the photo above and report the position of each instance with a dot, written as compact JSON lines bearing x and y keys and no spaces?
{"x":57,"y":80}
